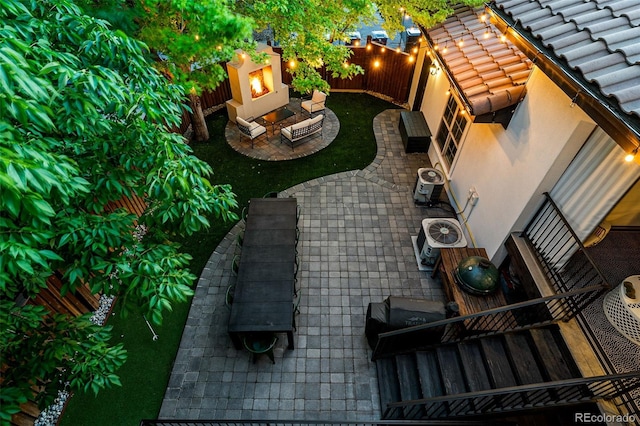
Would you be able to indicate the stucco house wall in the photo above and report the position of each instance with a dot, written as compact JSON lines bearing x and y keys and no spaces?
{"x":509,"y":168}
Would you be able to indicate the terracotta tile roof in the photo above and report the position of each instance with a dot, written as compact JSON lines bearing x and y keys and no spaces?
{"x":598,"y":39}
{"x":491,"y":73}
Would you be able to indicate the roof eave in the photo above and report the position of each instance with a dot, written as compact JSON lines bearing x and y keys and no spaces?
{"x":623,"y":129}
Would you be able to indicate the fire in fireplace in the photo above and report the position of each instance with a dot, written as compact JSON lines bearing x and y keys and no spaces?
{"x":257,"y":83}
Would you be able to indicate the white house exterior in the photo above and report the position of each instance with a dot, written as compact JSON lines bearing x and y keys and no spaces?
{"x":510,"y":168}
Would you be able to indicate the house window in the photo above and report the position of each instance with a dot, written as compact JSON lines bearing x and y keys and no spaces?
{"x":449,"y":135}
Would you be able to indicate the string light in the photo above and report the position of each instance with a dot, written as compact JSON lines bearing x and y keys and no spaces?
{"x":574,"y":99}
{"x":503,"y":38}
{"x":292,"y":63}
{"x":368,"y":47}
{"x":415,"y":50}
{"x":460,"y":42}
{"x":197,"y":37}
{"x":483,"y":17}
{"x":411,"y":59}
{"x":376,"y":64}
{"x":398,"y":49}
{"x":631,"y":156}
{"x":345,"y":65}
{"x":383,"y":50}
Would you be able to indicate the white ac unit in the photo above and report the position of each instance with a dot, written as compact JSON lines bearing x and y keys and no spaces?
{"x":429,"y":185}
{"x":437,"y":233}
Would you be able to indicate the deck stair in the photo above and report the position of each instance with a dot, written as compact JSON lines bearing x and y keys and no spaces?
{"x":478,"y":377}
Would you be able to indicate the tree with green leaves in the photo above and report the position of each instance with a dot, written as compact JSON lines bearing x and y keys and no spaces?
{"x":310,"y":31}
{"x":194,"y":39}
{"x":85,"y":120}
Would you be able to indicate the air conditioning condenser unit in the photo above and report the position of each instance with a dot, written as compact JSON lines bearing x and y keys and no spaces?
{"x":438,"y":233}
{"x":429,"y":185}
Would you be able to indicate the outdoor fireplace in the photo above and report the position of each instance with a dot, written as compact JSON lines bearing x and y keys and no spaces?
{"x":258,"y":82}
{"x":256,"y":88}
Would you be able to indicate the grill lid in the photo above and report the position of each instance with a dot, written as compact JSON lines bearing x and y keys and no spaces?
{"x":476,"y":275}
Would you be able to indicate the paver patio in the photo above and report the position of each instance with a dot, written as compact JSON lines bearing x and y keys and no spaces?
{"x":355,"y":248}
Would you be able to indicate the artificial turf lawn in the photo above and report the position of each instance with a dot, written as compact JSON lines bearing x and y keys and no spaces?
{"x":146,"y":373}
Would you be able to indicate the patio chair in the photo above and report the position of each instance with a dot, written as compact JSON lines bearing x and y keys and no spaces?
{"x":260,"y":343}
{"x":235,"y":265}
{"x":295,"y":275}
{"x":228,"y":297}
{"x":250,"y":129}
{"x":239,"y":240}
{"x":244,"y":214}
{"x":315,"y":104}
{"x":296,"y":310}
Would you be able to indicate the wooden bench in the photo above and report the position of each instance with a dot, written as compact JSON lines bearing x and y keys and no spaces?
{"x":301,"y":130}
{"x":467,"y":303}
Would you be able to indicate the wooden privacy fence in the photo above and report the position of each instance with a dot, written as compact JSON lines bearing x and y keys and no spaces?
{"x":76,"y":303}
{"x":386,"y":71}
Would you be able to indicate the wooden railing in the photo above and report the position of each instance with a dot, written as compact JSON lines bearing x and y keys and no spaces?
{"x":516,"y":398}
{"x":517,"y":316}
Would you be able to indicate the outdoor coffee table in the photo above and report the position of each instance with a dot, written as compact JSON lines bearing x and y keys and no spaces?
{"x":276,"y":117}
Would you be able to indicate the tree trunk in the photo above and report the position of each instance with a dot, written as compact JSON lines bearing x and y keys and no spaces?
{"x":198,"y":124}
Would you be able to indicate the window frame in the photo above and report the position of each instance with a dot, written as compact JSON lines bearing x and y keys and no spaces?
{"x":451,"y":131}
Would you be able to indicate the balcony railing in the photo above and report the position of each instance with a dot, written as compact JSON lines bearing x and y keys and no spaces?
{"x":560,"y":252}
{"x":321,"y":423}
{"x":516,"y":398}
{"x":517,"y":316}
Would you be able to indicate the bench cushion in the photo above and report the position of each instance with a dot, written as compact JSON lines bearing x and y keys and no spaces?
{"x":287,"y":132}
{"x":316,"y":119}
